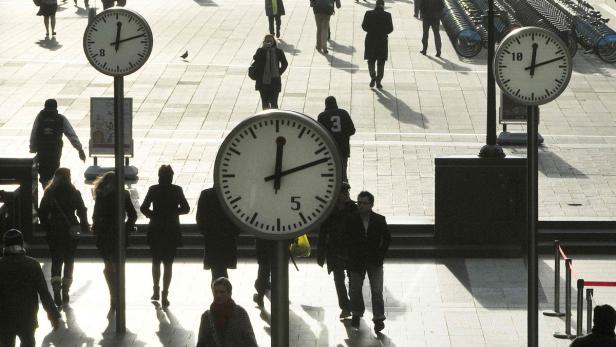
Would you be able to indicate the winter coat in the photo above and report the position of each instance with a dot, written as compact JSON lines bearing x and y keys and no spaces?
{"x":432,"y":10}
{"x":366,"y":247}
{"x":330,"y":10}
{"x":269,"y":8}
{"x":168,"y":202}
{"x":332,"y":244}
{"x":260,"y":58}
{"x":340,"y":125}
{"x":595,"y":339}
{"x":21,"y":284}
{"x":104,"y":221}
{"x":238,"y":331}
{"x":377,"y":24}
{"x":219,"y":233}
{"x":57,"y":215}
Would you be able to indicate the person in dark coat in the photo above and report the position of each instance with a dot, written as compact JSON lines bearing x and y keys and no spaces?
{"x":274,"y":9}
{"x":323,"y":10}
{"x":333,"y":246}
{"x":57,"y":214}
{"x":431,"y":12}
{"x":21,"y":284}
{"x":368,"y":241}
{"x":168,"y":203}
{"x":377,"y":24}
{"x":219,"y":235}
{"x":341,"y":127}
{"x":602,"y":335}
{"x":270,"y":63}
{"x":104,"y":221}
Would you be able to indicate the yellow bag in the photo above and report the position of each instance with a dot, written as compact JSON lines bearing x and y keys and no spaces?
{"x":300,"y":248}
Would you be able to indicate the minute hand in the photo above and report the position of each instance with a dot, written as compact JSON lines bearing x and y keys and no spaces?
{"x":543,"y":63}
{"x":299,"y":168}
{"x":127,"y":39}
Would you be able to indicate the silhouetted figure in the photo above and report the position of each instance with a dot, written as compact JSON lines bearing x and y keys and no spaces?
{"x":21,"y":284}
{"x":110,"y":3}
{"x":602,"y":334}
{"x":46,"y":140}
{"x":377,"y":24}
{"x":219,"y":235}
{"x":274,"y":9}
{"x":333,"y":246}
{"x":266,"y":257}
{"x":416,"y":8}
{"x":225,"y":324}
{"x":323,"y":10}
{"x":431,"y":12}
{"x":104,"y":222}
{"x":368,"y":239}
{"x":270,"y":63}
{"x":47,"y":9}
{"x":341,"y":126}
{"x":164,"y":228}
{"x":57,"y":215}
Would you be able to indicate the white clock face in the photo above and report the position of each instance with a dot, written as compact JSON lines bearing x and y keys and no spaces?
{"x":532,"y":65}
{"x":117,"y":42}
{"x":277,"y":174}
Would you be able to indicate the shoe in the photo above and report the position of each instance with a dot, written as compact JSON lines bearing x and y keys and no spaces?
{"x":53,"y":34}
{"x":278,"y":32}
{"x":344,"y":314}
{"x":438,"y":54}
{"x":372,"y":83}
{"x":46,"y":36}
{"x":415,"y":15}
{"x":165,"y":302}
{"x":379,"y":85}
{"x":156,"y":295}
{"x":318,"y":49}
{"x":258,"y":299}
{"x":423,"y":52}
{"x":66,"y":286}
{"x":325,"y":51}
{"x":355,"y":321}
{"x":379,"y":325}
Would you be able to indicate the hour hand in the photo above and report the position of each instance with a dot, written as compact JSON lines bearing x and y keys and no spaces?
{"x":280,"y":142}
{"x":117,"y":40}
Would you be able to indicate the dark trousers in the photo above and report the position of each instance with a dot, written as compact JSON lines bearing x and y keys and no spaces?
{"x":48,"y":163}
{"x":62,"y":256}
{"x":271,"y":23}
{"x":356,"y":282}
{"x":218,"y":272}
{"x":263,"y":282}
{"x":341,"y":290}
{"x":345,"y":162}
{"x":25,"y":336}
{"x":380,"y":69}
{"x":269,"y":99}
{"x":416,"y":7}
{"x":434,"y":24}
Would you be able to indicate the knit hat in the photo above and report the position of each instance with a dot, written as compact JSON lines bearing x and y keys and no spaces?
{"x":604,"y":318}
{"x":13,"y":237}
{"x":51,"y":104}
{"x":380,"y":3}
{"x":330,"y":102}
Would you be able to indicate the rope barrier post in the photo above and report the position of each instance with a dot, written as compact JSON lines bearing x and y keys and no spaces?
{"x":580,"y":307}
{"x":556,"y":312}
{"x":589,"y":297}
{"x":567,"y":334}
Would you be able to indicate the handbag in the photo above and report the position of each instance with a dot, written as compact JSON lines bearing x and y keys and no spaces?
{"x":300,"y":247}
{"x":252,"y":71}
{"x":74,"y":229}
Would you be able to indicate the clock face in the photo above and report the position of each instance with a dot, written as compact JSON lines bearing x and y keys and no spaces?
{"x":532,"y":65}
{"x":117,"y":42}
{"x":278,"y":174}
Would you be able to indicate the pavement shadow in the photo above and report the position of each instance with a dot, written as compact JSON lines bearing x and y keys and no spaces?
{"x":340,"y":48}
{"x":72,"y":335}
{"x":81,"y":12}
{"x":340,"y":64}
{"x":111,"y":339}
{"x":170,"y":331}
{"x":448,"y":64}
{"x":76,"y":294}
{"x":205,"y":3}
{"x":318,"y":314}
{"x":50,"y":44}
{"x":399,"y":109}
{"x":364,"y":337}
{"x":288,"y":48}
{"x":550,"y":163}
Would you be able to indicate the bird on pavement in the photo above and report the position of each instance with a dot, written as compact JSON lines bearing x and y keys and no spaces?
{"x":185,"y":55}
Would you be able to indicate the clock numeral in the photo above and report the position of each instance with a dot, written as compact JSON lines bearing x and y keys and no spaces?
{"x":517,"y":56}
{"x":295,"y":204}
{"x":101,"y":52}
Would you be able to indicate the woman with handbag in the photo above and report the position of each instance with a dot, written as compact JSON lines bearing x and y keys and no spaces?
{"x":104,"y":221}
{"x":47,"y":9}
{"x":57,"y":215}
{"x":269,"y":64}
{"x":168,"y":202}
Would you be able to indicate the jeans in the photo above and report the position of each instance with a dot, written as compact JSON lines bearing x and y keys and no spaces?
{"x":322,"y":21}
{"x":25,"y":336}
{"x":343,"y":297}
{"x":271,"y":23}
{"x":64,"y":255}
{"x":48,"y":163}
{"x":380,"y":66}
{"x":356,"y":281}
{"x":218,"y":272}
{"x":434,"y":24}
{"x":269,"y":99}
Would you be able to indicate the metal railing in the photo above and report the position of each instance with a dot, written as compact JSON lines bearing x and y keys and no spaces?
{"x":466,"y":39}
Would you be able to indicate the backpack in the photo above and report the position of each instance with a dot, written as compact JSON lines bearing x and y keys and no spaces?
{"x":49,"y":131}
{"x":324,"y":6}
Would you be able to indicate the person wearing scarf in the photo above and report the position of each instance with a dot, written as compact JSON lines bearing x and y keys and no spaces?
{"x":225,"y":324}
{"x":274,"y":9}
{"x":602,"y":334}
{"x":271,"y":63}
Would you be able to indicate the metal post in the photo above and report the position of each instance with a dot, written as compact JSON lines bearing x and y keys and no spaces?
{"x":589,"y":296}
{"x":580,"y":307}
{"x":532,"y":206}
{"x":280,"y":295}
{"x":567,"y":334}
{"x":118,"y":83}
{"x":556,"y":312}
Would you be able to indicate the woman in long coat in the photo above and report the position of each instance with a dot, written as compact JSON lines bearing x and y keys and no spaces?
{"x":164,"y":229}
{"x":270,"y":63}
{"x":377,"y":24}
{"x":274,"y":9}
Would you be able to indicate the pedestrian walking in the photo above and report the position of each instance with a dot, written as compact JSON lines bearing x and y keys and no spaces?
{"x":219,"y":235}
{"x":104,"y":223}
{"x":274,"y":9}
{"x":431,"y":12}
{"x":110,"y":3}
{"x":60,"y":202}
{"x":47,"y":9}
{"x":323,"y":10}
{"x":266,"y":258}
{"x":225,"y":324}
{"x":341,"y":127}
{"x":270,"y":63}
{"x":602,"y":334}
{"x":368,"y":240}
{"x":168,"y":203}
{"x":46,"y":140}
{"x":332,"y":247}
{"x":86,"y":3}
{"x":21,"y":284}
{"x":377,"y":24}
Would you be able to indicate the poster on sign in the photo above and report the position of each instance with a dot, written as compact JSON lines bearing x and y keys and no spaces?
{"x":101,"y":127}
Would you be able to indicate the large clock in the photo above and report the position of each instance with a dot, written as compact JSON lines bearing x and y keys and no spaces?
{"x":117,"y":42}
{"x":532,"y":65}
{"x":278,"y":174}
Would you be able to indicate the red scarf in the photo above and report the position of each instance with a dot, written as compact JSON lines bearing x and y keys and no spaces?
{"x":221,"y":313}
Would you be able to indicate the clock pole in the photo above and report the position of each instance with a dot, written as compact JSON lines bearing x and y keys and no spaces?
{"x":532,"y":217}
{"x":118,"y":99}
{"x":280,"y":295}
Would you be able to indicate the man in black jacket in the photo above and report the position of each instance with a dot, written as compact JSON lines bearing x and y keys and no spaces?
{"x":341,"y":127}
{"x":368,"y":239}
{"x":378,"y":25}
{"x":332,"y":246}
{"x":602,"y":334}
{"x":21,"y":284}
{"x":431,"y":11}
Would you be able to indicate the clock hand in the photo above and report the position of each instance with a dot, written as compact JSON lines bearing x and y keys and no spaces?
{"x":126,"y":39}
{"x":298,"y":168}
{"x":280,"y":142}
{"x":533,"y":60}
{"x":117,"y":40}
{"x":544,"y":62}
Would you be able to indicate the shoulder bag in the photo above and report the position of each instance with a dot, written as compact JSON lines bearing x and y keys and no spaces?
{"x":74,"y":229}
